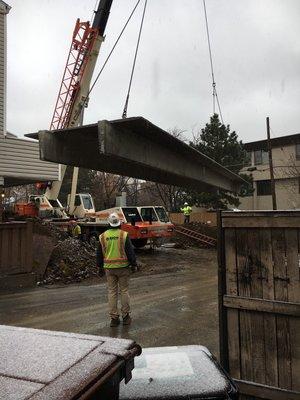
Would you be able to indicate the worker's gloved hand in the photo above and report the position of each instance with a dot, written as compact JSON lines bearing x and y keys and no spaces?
{"x":134,"y":268}
{"x":101,"y":272}
{"x":139,"y":266}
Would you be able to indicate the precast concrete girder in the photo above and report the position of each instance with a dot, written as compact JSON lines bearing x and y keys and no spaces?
{"x":135,"y":147}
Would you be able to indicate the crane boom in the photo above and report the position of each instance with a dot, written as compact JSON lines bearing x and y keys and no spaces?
{"x":74,"y":89}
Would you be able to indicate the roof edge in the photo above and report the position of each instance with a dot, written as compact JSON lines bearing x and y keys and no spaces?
{"x":276,"y":142}
{"x":4,"y":7}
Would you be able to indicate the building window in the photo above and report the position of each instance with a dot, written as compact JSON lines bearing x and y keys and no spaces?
{"x":263,"y":188}
{"x":247,"y":189}
{"x":257,"y":157}
{"x":261,"y":157}
{"x":298,"y":151}
{"x":248,"y":161}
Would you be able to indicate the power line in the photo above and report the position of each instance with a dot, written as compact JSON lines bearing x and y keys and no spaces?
{"x":124,"y":114}
{"x":214,"y":85}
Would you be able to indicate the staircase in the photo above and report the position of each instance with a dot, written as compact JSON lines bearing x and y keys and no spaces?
{"x":206,"y":241}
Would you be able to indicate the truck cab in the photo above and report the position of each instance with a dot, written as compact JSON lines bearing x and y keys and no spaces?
{"x":47,"y":208}
{"x":143,"y":224}
{"x":83,"y":206}
{"x":154,"y":214}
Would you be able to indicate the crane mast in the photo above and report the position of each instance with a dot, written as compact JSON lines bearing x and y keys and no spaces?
{"x":74,"y":89}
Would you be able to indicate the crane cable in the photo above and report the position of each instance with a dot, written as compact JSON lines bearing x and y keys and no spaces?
{"x":108,"y":57}
{"x":214,"y":85}
{"x":124,"y":114}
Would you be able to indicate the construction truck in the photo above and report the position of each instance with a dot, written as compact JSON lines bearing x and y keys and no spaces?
{"x":148,"y":224}
{"x":144,"y":227}
{"x":42,"y":207}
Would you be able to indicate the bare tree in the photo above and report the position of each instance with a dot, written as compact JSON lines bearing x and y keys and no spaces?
{"x":105,"y":187}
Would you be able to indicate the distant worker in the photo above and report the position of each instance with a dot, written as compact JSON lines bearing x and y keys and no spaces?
{"x":76,"y":230}
{"x":187,"y":210}
{"x":115,"y":255}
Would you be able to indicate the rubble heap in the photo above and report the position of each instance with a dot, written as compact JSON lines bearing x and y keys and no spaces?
{"x":71,"y":261}
{"x":46,"y":228}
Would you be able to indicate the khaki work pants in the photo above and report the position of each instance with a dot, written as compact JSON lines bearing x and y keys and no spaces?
{"x":118,"y":279}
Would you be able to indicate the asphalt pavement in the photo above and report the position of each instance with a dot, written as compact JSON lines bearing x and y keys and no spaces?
{"x":168,"y":309}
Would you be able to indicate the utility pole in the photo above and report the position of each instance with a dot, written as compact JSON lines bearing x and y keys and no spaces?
{"x":273,"y":190}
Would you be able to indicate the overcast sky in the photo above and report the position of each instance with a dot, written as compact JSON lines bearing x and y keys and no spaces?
{"x":256,"y":52}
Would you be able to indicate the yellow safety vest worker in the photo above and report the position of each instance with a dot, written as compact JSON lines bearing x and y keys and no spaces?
{"x":76,"y":231}
{"x":113,"y":248}
{"x":186,"y":210}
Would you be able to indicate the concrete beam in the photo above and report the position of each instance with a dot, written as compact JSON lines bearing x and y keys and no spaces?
{"x":135,"y":147}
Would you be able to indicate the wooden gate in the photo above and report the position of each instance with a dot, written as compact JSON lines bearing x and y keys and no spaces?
{"x":16,"y":254}
{"x":259,"y":299}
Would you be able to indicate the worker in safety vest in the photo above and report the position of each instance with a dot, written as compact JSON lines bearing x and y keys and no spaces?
{"x":76,"y":230}
{"x":115,"y":256}
{"x":187,"y":210}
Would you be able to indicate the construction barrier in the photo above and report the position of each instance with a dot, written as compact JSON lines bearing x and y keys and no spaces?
{"x":200,"y":217}
{"x":259,"y":299}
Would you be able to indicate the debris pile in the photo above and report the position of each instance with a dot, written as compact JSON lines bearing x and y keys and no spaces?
{"x":49,"y":229}
{"x":71,"y":261}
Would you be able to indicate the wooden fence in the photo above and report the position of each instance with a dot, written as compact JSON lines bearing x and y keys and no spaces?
{"x":259,"y":299}
{"x":202,"y":217}
{"x":16,"y":254}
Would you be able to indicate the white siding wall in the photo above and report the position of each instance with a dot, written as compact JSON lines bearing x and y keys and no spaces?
{"x":20,"y":159}
{"x":2,"y":72}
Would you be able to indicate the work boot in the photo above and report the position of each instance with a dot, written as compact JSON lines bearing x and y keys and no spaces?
{"x":114,"y":322}
{"x":127,"y":320}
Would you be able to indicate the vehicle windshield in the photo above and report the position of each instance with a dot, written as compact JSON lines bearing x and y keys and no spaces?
{"x":55,"y":203}
{"x":131,"y":214}
{"x":87,"y":202}
{"x":148,"y":214}
{"x":162,"y":215}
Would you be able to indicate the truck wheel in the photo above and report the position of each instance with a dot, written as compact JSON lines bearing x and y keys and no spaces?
{"x":139,"y":243}
{"x":93,"y":239}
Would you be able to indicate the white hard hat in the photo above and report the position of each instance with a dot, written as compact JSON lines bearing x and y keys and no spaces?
{"x":114,"y":220}
{"x":185,"y":203}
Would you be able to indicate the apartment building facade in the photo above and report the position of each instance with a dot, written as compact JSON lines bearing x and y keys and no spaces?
{"x":286,"y":163}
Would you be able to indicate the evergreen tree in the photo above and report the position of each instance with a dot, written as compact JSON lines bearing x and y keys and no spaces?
{"x":217,"y":142}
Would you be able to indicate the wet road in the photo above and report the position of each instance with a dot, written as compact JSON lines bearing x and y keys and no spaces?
{"x":176,"y":308}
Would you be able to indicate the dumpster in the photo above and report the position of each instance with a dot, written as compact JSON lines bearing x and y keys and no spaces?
{"x":185,"y":372}
{"x":43,"y":365}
